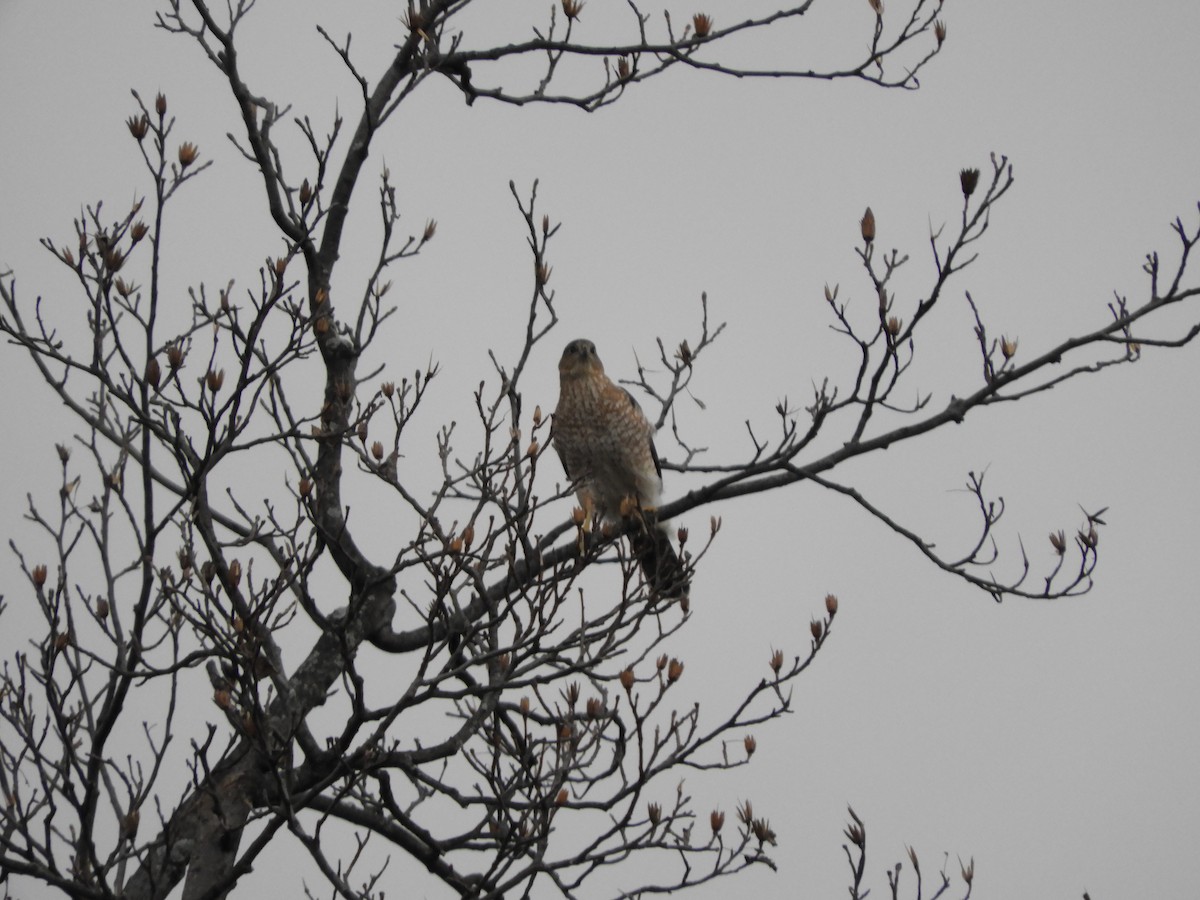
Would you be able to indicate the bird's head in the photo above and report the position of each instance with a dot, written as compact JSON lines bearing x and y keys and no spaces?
{"x":579,"y":358}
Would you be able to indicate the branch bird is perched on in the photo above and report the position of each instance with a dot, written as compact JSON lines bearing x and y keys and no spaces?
{"x":606,"y":445}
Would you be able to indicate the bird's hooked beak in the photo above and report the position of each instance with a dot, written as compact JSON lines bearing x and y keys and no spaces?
{"x":579,"y":357}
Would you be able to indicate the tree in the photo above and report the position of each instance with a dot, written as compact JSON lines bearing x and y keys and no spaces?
{"x":504,"y":619}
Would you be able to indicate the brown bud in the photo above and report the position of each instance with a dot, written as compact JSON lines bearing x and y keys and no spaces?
{"x":776,"y":661}
{"x":831,"y":605}
{"x":714,"y":524}
{"x":137,"y":231}
{"x":62,"y":641}
{"x":1008,"y":347}
{"x":562,"y":797}
{"x":968,"y":871}
{"x":762,"y":830}
{"x":138,"y":126}
{"x":572,"y":694}
{"x":377,"y":450}
{"x":623,"y":69}
{"x":855,"y":833}
{"x":361,"y":431}
{"x":101,"y":609}
{"x":305,"y":192}
{"x":894,"y":325}
{"x":208,"y":571}
{"x":281,"y":265}
{"x":681,"y":535}
{"x":305,"y":487}
{"x":537,"y":415}
{"x":175,"y":356}
{"x":868,"y":225}
{"x":388,"y":388}
{"x":661,"y":662}
{"x":1059,"y":540}
{"x":683,"y":353}
{"x":939,"y":31}
{"x":468,"y":536}
{"x":716,"y":821}
{"x":817,"y":628}
{"x":702,"y":25}
{"x":745,"y":812}
{"x":968,"y":179}
{"x":578,"y":516}
{"x":188,"y":153}
{"x":124,"y":288}
{"x":129,"y":824}
{"x":912,"y":857}
{"x":542,"y":273}
{"x":524,"y":706}
{"x":456,"y":545}
{"x":39,"y":576}
{"x":654,"y":813}
{"x":750,"y":744}
{"x":877,"y":6}
{"x":153,"y":373}
{"x":572,"y":8}
{"x":160,"y":105}
{"x":594,"y":708}
{"x":627,"y":679}
{"x":235,"y":573}
{"x":674,"y":671}
{"x":1091,"y":538}
{"x":545,"y":224}
{"x":532,"y":450}
{"x":214,"y":380}
{"x":430,"y":230}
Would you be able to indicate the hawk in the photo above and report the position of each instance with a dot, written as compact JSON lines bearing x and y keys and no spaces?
{"x":606,"y":445}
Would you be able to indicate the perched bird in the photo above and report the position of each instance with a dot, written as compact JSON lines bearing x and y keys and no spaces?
{"x":606,"y":445}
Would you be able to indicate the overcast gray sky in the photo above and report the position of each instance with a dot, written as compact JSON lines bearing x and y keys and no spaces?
{"x":1054,"y":742}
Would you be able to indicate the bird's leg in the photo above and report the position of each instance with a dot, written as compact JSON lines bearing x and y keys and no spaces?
{"x":632,"y":508}
{"x":589,"y":509}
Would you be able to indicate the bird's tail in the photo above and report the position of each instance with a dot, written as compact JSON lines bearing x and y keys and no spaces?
{"x":665,"y":572}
